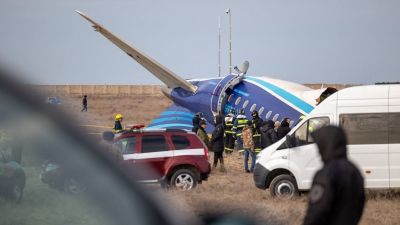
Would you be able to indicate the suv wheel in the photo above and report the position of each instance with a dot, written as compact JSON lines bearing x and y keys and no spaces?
{"x":284,"y":187}
{"x":184,"y":180}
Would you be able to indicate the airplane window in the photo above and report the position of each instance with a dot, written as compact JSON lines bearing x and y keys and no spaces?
{"x":237,"y":101}
{"x":245,"y":104}
{"x":253,"y":107}
{"x":268,"y":114}
{"x":275,"y":117}
{"x":230,"y":98}
{"x":261,"y":110}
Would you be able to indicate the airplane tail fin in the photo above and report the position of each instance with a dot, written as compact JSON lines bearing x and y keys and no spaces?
{"x":161,"y":72}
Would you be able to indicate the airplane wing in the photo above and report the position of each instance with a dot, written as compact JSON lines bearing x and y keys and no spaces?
{"x":161,"y":72}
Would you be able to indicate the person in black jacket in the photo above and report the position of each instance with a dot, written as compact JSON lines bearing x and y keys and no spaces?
{"x":337,"y":193}
{"x":268,"y":134}
{"x":196,"y":121}
{"x":256,"y":125}
{"x":283,"y":129}
{"x":217,"y":142}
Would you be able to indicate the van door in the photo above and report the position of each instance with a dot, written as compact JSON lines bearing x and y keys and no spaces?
{"x":394,"y":136}
{"x":367,"y":135}
{"x":304,"y":159}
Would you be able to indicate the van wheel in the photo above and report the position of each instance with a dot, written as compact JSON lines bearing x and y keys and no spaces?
{"x":284,"y":187}
{"x":184,"y":180}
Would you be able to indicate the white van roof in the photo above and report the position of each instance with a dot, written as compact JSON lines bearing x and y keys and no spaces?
{"x":358,"y":93}
{"x":364,"y":92}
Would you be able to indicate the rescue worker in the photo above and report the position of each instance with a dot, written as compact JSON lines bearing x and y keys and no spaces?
{"x":256,"y":125}
{"x":229,"y":132}
{"x":201,"y":132}
{"x":118,"y":125}
{"x":196,"y":121}
{"x":268,"y":134}
{"x":217,"y":143}
{"x":239,"y":124}
{"x":337,"y":193}
{"x":248,"y":145}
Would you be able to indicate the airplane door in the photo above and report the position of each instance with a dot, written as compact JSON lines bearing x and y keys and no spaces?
{"x":219,"y":95}
{"x":304,"y":159}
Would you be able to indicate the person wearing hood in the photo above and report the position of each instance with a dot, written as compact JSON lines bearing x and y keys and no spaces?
{"x":268,"y":134}
{"x":217,"y":142}
{"x":256,"y":125}
{"x":283,"y":129}
{"x":337,"y":193}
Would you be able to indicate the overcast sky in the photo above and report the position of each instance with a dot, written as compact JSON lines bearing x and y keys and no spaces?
{"x":302,"y":41}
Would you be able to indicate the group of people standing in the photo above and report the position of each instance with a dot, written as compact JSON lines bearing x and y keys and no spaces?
{"x":249,"y":136}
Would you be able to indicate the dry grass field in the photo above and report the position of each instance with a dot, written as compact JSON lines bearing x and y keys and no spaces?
{"x":232,"y":192}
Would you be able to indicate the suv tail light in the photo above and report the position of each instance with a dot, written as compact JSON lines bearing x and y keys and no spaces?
{"x":206,"y":152}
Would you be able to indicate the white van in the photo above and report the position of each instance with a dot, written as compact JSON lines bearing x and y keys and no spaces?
{"x":370,"y":116}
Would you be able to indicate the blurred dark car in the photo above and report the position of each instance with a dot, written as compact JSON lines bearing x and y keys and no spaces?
{"x":12,"y":180}
{"x":53,"y":101}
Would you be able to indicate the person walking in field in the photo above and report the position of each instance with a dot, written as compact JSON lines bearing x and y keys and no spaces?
{"x":84,"y":103}
{"x":248,"y":146}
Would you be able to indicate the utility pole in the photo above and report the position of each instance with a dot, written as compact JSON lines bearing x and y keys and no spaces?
{"x":219,"y":46}
{"x":228,"y":11}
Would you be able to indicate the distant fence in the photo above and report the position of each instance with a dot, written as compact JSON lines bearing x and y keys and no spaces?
{"x":151,"y":90}
{"x":98,"y":89}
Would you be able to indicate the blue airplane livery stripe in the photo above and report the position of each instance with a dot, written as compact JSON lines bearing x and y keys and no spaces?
{"x":171,"y":125}
{"x":284,"y":94}
{"x":241,"y":92}
{"x":164,"y":119}
{"x":167,"y":113}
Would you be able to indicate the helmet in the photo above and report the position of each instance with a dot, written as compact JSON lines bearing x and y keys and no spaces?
{"x":241,"y":112}
{"x":254,"y":113}
{"x":118,"y":117}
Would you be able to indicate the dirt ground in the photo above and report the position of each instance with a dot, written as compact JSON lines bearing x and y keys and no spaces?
{"x":232,"y":192}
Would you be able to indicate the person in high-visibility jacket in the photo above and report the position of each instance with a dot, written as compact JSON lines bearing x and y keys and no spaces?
{"x":239,"y":124}
{"x":118,"y":123}
{"x":256,"y":125}
{"x":229,"y":132}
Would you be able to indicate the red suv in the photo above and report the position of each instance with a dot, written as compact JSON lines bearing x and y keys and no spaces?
{"x":178,"y":158}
